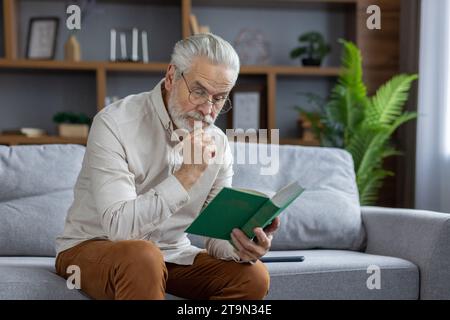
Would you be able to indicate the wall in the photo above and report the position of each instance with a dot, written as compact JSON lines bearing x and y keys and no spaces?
{"x":96,"y":24}
{"x":381,"y":56}
{"x":30,"y":99}
{"x":2,"y":36}
{"x":279,"y":26}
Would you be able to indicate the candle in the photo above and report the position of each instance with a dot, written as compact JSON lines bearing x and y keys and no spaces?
{"x":144,"y":47}
{"x":123,"y":46}
{"x":112,"y":55}
{"x":134,"y":53}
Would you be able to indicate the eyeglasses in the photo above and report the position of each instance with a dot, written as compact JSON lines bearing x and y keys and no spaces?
{"x":199,"y":97}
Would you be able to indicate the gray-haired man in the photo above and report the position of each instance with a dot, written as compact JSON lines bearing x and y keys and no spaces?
{"x":137,"y":193}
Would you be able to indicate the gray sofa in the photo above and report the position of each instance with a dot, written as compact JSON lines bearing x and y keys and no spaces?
{"x":410,"y":248}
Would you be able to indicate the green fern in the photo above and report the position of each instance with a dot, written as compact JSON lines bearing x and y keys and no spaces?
{"x":364,"y":125}
{"x":348,"y":99}
{"x":351,"y":77}
{"x":387,"y":104}
{"x":368,"y":188}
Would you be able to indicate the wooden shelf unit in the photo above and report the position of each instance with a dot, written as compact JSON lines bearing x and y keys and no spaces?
{"x":160,"y":67}
{"x":266,"y":3}
{"x":103,"y":69}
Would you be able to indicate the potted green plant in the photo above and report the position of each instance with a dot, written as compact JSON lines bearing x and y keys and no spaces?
{"x":72,"y":124}
{"x":360,"y":124}
{"x":307,"y":120}
{"x":314,"y":50}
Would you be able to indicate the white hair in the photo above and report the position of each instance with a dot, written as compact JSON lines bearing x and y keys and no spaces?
{"x":217,"y":50}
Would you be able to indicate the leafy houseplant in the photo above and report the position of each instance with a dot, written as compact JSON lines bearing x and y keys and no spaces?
{"x":360,"y":124}
{"x":72,"y":124}
{"x":314,"y":50}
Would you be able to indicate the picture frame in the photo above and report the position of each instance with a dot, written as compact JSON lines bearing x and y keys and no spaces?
{"x":249,"y":107}
{"x":41,"y":38}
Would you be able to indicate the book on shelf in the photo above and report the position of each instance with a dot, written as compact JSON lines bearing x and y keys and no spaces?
{"x":196,"y":28}
{"x":203,"y":29}
{"x":27,"y":132}
{"x":194,"y":24}
{"x":243,"y":209}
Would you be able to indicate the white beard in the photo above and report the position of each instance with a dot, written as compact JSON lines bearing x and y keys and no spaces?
{"x":181,"y":119}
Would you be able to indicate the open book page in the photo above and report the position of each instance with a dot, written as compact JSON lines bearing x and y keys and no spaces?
{"x":286,"y":194}
{"x":267,"y":194}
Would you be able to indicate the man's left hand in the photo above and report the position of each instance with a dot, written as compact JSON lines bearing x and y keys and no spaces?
{"x":249,"y":250}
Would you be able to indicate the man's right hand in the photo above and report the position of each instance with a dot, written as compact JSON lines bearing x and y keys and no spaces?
{"x":202,"y":151}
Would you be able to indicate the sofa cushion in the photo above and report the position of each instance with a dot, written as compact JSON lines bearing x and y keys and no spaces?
{"x":38,"y":169}
{"x":33,"y":278}
{"x":325,"y":274}
{"x":29,"y":226}
{"x":340,"y":274}
{"x":36,"y":189}
{"x":327,"y":215}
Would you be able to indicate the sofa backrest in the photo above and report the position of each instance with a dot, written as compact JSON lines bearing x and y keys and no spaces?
{"x":327,"y":215}
{"x":36,"y":190}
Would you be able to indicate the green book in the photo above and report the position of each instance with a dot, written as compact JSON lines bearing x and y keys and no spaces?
{"x":242,"y":209}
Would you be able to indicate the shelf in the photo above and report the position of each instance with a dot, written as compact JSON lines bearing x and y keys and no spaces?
{"x":271,"y":3}
{"x":161,"y":67}
{"x":83,"y":65}
{"x":306,"y":71}
{"x":299,"y":142}
{"x":139,"y":67}
{"x":47,"y":65}
{"x":291,"y":70}
{"x":18,"y":139}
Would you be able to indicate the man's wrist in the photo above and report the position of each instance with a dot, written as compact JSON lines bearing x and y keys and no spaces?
{"x":173,"y":192}
{"x":186,"y":177}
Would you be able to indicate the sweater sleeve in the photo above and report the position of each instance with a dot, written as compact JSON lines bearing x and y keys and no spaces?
{"x":124,"y":214}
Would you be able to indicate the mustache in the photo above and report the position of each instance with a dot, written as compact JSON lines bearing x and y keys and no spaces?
{"x":198,"y":116}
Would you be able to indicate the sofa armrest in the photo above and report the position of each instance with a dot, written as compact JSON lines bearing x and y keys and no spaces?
{"x":421,"y":237}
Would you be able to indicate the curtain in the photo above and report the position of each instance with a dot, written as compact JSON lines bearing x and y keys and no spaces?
{"x":433,"y":125}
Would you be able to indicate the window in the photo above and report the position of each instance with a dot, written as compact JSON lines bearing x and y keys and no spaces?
{"x":446,"y":96}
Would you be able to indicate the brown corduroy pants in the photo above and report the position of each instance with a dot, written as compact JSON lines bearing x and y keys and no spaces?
{"x":135,"y":269}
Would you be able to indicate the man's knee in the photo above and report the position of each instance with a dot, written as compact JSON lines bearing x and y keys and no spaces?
{"x":256,"y":281}
{"x":139,"y":255}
